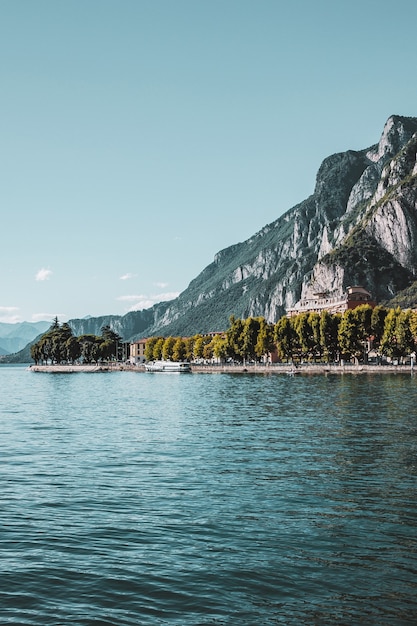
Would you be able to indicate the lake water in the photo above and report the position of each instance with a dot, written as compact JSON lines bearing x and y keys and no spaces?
{"x":201,"y":499}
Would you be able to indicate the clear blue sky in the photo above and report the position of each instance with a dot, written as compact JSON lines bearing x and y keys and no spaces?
{"x":140,"y":137}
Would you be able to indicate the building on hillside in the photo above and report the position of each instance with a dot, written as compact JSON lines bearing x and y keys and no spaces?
{"x":321,"y":301}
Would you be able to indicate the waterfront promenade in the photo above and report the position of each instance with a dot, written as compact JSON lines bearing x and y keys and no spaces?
{"x":251,"y":368}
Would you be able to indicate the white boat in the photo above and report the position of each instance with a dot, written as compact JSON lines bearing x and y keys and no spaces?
{"x":168,"y":366}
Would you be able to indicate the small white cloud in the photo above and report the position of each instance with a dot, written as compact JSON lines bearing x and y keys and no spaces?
{"x":8,"y":315}
{"x":43,"y":274}
{"x":48,"y":317}
{"x":161,"y":285}
{"x":142,"y":304}
{"x":130,"y":298}
{"x":143,"y":301}
{"x":127,"y":276}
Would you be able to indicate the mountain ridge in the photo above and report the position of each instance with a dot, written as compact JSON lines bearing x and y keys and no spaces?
{"x":359,"y":226}
{"x":364,"y":203}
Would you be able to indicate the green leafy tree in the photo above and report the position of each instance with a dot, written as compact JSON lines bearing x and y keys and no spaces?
{"x":378,"y":316}
{"x":52,"y":346}
{"x":107,"y":349}
{"x":90,"y":351}
{"x":65,"y":332}
{"x":249,"y":338}
{"x":208,"y":350}
{"x":350,"y":335}
{"x":329,"y":330}
{"x":389,"y":343}
{"x":111,"y":338}
{"x":157,"y":349}
{"x":397,"y":339}
{"x":47,"y":344}
{"x":55,"y":324}
{"x":314,"y":322}
{"x":405,"y":339}
{"x":198,"y":346}
{"x":189,"y":348}
{"x":413,"y":325}
{"x":168,"y":348}
{"x":45,"y":347}
{"x":363,"y":315}
{"x":35,"y":352}
{"x":234,"y":338}
{"x":304,"y":334}
{"x":286,"y":338}
{"x":200,"y":343}
{"x":219,"y":345}
{"x":72,"y":349}
{"x":57,"y":348}
{"x":178,"y":352}
{"x":149,"y":348}
{"x":265,"y":340}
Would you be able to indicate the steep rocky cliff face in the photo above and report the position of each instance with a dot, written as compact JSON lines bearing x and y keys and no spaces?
{"x":359,"y":226}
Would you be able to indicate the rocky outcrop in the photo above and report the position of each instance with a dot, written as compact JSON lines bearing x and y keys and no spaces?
{"x":359,"y":226}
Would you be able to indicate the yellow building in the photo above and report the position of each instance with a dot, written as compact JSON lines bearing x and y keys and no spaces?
{"x":137,"y":352}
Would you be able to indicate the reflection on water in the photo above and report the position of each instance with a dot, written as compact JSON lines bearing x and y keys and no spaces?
{"x":134,"y":498}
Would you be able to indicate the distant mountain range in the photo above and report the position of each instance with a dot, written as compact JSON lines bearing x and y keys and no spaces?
{"x":358,"y":227}
{"x":14,"y":337}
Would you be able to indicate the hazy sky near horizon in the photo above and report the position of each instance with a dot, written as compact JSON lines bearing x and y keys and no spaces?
{"x":139,"y":138}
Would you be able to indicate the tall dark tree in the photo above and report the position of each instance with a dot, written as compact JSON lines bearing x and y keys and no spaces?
{"x":114,"y":338}
{"x":35,"y":352}
{"x":73,"y":349}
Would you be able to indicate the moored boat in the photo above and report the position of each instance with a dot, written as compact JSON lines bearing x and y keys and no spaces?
{"x":168,"y":366}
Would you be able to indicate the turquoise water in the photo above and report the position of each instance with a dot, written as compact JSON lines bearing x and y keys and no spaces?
{"x":136,"y":498}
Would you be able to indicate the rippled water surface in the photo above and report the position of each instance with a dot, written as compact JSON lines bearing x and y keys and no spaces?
{"x":131,"y":498}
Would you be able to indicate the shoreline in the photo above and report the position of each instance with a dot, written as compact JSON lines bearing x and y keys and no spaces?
{"x":68,"y":369}
{"x":305,"y":368}
{"x":272,"y":369}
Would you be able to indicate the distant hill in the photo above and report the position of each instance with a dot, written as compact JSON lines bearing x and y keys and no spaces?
{"x":14,"y":337}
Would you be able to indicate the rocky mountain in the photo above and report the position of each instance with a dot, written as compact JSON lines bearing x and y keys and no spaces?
{"x":358,"y":227}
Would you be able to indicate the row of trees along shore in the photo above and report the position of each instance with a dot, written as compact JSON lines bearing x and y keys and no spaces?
{"x":305,"y":337}
{"x":59,"y":345}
